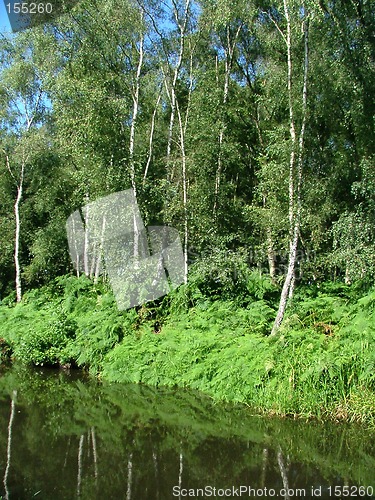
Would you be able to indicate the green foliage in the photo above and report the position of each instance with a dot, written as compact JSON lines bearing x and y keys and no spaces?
{"x":353,"y":249}
{"x":181,"y":299}
{"x":47,"y":343}
{"x":69,"y":321}
{"x":5,"y":351}
{"x":215,"y":348}
{"x":227,"y":275}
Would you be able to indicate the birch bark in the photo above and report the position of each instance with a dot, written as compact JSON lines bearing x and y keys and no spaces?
{"x":19,"y":182}
{"x":134,"y":118}
{"x":295,"y":178}
{"x":185,"y":192}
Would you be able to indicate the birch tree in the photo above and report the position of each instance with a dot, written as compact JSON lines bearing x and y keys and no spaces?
{"x":138,"y":55}
{"x":110,"y":77}
{"x":296,"y":149}
{"x":23,"y":100}
{"x":171,"y":60}
{"x":182,"y":122}
{"x":18,"y":180}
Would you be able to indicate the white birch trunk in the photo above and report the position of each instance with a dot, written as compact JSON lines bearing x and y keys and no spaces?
{"x":264,"y":467}
{"x":172,"y":91}
{"x":29,"y":122}
{"x":75,"y":246}
{"x":135,"y":113}
{"x":94,"y":452}
{"x":19,"y":184}
{"x":86,"y":244}
{"x":79,"y":472}
{"x":180,"y":472}
{"x":100,"y":251}
{"x":67,"y":452}
{"x":17,"y":235}
{"x":223,"y":125}
{"x":294,"y":205}
{"x":190,"y":87}
{"x":130,"y":475}
{"x":283,"y":473}
{"x":9,"y":445}
{"x":185,"y":193}
{"x":94,"y":249}
{"x":271,"y":255}
{"x":132,"y":141}
{"x":171,"y":123}
{"x":151,"y":140}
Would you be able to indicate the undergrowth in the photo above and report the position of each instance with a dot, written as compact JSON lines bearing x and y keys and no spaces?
{"x":322,"y":363}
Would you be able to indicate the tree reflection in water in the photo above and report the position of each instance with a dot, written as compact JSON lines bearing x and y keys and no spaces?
{"x":70,"y":436}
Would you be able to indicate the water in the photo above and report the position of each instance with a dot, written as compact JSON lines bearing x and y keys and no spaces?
{"x":64,"y":436}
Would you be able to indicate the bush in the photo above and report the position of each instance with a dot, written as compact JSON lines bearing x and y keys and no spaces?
{"x":227,"y":275}
{"x":46,"y":342}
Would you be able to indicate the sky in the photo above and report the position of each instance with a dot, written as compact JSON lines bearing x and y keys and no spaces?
{"x":4,"y":22}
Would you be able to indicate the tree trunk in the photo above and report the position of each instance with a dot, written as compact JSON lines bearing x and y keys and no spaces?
{"x":9,"y":446}
{"x":294,"y":190}
{"x":347,"y":275}
{"x":80,"y":456}
{"x":180,"y":470}
{"x":135,"y":113}
{"x":94,"y":250}
{"x":132,"y":142}
{"x":29,"y":117}
{"x":185,"y":193}
{"x":130,"y":475}
{"x":75,"y":246}
{"x":283,"y":473}
{"x":264,"y":467}
{"x":172,"y":92}
{"x":151,"y":140}
{"x":17,"y":235}
{"x":271,"y":255}
{"x":222,"y":129}
{"x":86,"y":245}
{"x":100,"y":251}
{"x":94,"y":452}
{"x":187,"y":112}
{"x":156,"y":470}
{"x":287,"y":284}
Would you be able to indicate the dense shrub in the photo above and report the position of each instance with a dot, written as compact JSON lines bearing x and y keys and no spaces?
{"x":226,"y":275}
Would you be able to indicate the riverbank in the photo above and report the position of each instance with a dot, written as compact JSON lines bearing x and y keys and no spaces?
{"x":321,"y":365}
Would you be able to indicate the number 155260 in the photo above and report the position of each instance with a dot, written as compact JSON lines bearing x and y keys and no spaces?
{"x":29,"y":8}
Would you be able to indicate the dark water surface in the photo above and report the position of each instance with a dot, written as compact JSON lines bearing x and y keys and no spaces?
{"x":64,"y":436}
